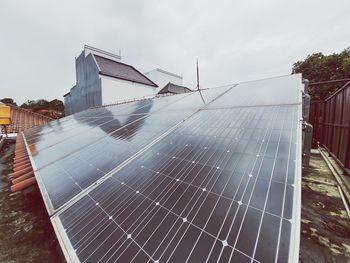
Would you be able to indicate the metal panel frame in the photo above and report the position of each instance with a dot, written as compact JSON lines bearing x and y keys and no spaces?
{"x":44,"y":194}
{"x":66,"y":245}
{"x":295,"y":229}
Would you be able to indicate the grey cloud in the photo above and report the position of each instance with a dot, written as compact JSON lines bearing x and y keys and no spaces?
{"x":234,"y":40}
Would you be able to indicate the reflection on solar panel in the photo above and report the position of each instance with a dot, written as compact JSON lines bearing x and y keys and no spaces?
{"x":71,"y":156}
{"x":189,"y":178}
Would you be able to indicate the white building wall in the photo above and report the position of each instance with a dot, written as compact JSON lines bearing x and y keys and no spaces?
{"x":117,"y":90}
{"x":161,"y":77}
{"x":93,"y":89}
{"x":102,"y":53}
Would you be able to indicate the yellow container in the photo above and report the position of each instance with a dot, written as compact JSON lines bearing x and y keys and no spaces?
{"x":5,"y":121}
{"x":5,"y":114}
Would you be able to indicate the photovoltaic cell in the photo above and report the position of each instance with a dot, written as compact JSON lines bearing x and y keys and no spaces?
{"x":219,"y":182}
{"x":70,"y":158}
{"x":91,"y":163}
{"x":208,"y":189}
{"x":262,"y":92}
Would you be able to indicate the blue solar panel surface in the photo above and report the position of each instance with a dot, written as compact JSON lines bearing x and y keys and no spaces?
{"x":230,"y":180}
{"x":71,"y":155}
{"x":200,"y":177}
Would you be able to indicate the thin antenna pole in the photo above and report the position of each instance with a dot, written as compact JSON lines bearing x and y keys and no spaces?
{"x":200,"y":93}
{"x":197,"y":76}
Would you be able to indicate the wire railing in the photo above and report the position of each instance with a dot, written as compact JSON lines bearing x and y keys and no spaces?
{"x":22,"y":119}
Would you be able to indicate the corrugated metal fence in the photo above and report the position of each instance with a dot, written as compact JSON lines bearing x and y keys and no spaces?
{"x":331,"y":124}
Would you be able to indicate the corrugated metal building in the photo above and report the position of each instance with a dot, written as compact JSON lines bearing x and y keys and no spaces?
{"x":102,"y":79}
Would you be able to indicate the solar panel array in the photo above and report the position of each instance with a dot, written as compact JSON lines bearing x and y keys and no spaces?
{"x":200,"y":177}
{"x":72,"y":154}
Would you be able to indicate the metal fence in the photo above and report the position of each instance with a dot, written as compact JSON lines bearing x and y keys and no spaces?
{"x":331,"y":121}
{"x":316,"y":120}
{"x":22,"y":119}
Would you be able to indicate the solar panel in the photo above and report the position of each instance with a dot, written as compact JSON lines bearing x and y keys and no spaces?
{"x":262,"y":92}
{"x":46,"y":136}
{"x":215,"y":187}
{"x":217,"y":180}
{"x":71,"y":158}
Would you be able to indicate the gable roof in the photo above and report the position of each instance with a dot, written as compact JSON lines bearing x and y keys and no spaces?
{"x":175,"y":89}
{"x":123,"y":71}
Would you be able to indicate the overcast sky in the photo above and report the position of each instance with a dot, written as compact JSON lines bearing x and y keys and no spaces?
{"x":234,"y":40}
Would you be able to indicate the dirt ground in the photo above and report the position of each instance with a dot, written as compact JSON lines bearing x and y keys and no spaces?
{"x":325,"y":225}
{"x":26,"y":234}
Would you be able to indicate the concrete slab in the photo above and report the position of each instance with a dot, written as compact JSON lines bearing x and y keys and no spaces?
{"x":325,"y":225}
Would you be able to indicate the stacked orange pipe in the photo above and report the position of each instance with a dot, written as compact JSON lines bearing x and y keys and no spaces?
{"x":22,"y":169}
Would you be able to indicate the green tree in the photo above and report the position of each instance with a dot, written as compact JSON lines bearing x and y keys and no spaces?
{"x":8,"y":101}
{"x":57,"y":105}
{"x":53,"y":109}
{"x":318,"y":67}
{"x":29,"y":104}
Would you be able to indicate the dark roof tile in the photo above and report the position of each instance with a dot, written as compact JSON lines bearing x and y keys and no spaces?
{"x":173,"y":88}
{"x":123,"y":71}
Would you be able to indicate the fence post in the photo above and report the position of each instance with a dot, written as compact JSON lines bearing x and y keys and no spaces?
{"x":306,"y":101}
{"x":307,"y":127}
{"x":307,"y":142}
